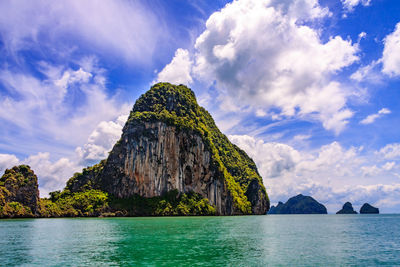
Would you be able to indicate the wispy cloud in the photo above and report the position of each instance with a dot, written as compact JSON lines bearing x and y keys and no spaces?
{"x":388,"y":65}
{"x":349,"y":5}
{"x":390,"y":151}
{"x":62,"y":108}
{"x":373,"y":117}
{"x":127,"y":29}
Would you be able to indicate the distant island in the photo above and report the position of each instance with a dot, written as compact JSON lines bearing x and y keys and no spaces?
{"x":299,"y":205}
{"x":171,"y":160}
{"x":368,"y":209}
{"x":347,"y":209}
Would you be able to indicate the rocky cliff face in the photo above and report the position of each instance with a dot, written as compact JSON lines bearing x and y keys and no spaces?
{"x":153,"y":158}
{"x":19,"y":193}
{"x":168,"y":143}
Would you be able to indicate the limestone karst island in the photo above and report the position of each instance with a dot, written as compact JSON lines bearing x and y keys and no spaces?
{"x":171,"y":160}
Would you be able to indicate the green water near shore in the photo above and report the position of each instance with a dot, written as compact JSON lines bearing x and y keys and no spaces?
{"x":273,"y":240}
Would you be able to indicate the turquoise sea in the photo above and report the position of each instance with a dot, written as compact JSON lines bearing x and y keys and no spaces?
{"x":272,"y":240}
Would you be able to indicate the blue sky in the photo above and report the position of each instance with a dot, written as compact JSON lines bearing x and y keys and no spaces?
{"x":308,"y":88}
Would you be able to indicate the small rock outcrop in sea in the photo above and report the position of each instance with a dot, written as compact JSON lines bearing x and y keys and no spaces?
{"x":347,"y":209}
{"x":19,"y":193}
{"x":299,"y":205}
{"x":368,"y":209}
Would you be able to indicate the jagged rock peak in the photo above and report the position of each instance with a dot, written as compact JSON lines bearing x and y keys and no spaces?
{"x":347,"y":209}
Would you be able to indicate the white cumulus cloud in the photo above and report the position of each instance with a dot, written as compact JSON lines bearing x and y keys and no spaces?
{"x":391,"y":53}
{"x":179,"y":70}
{"x":101,"y":141}
{"x":260,"y":54}
{"x":276,"y":158}
{"x":52,"y":175}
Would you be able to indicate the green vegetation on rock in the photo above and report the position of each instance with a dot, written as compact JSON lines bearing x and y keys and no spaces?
{"x":15,"y":210}
{"x":85,"y":180}
{"x":83,"y":204}
{"x":19,"y":194}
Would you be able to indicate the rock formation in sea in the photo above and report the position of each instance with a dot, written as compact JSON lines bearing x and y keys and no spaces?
{"x":299,"y":205}
{"x":347,"y":209}
{"x":170,"y":160}
{"x":19,"y":193}
{"x":368,"y":209}
{"x":171,"y":143}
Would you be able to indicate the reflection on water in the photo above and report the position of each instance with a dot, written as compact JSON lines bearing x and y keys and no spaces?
{"x":294,"y":240}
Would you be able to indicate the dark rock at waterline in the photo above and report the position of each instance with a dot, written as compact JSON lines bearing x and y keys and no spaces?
{"x":347,"y":209}
{"x":368,"y":209}
{"x":299,"y":205}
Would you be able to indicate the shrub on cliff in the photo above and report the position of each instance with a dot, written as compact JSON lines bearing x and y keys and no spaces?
{"x":15,"y":210}
{"x":88,"y":203}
